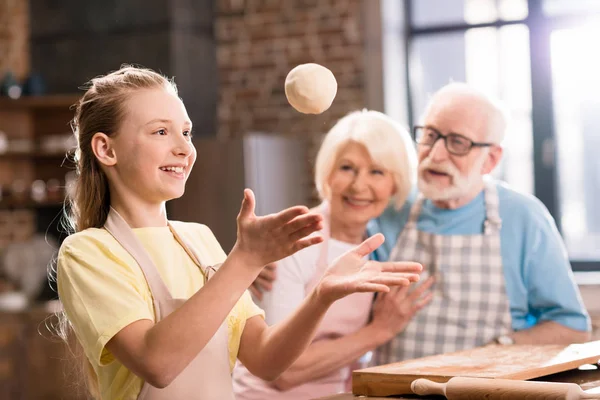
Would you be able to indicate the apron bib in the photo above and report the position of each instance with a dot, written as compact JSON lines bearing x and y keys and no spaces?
{"x":208,"y":376}
{"x":470,"y":306}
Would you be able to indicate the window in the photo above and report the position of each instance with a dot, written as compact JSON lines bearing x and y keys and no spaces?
{"x":446,"y":12}
{"x":576,"y":98}
{"x":536,"y":56}
{"x":573,"y":7}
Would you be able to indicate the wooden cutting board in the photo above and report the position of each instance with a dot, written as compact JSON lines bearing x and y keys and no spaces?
{"x":494,"y":361}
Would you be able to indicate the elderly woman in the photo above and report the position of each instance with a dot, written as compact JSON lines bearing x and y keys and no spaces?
{"x":365,"y":163}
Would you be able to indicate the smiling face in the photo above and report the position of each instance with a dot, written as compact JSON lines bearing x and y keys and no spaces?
{"x":359,"y":188}
{"x":444,"y":176}
{"x":151,"y":155}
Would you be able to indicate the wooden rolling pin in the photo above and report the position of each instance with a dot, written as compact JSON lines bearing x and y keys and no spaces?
{"x":459,"y":388}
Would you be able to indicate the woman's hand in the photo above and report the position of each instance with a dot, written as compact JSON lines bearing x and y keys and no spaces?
{"x":263,"y":240}
{"x":351,"y":273}
{"x":264,"y":281}
{"x":394,"y":310}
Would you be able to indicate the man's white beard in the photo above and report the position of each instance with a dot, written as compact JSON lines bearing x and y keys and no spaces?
{"x":460,"y":185}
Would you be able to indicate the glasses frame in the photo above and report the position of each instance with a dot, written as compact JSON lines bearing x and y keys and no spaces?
{"x":472,"y":144}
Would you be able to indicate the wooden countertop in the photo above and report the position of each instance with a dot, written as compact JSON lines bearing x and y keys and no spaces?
{"x":587,"y":379}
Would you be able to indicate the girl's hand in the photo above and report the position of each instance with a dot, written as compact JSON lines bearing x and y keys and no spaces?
{"x":394,"y":310}
{"x":263,"y":240}
{"x":351,"y":273}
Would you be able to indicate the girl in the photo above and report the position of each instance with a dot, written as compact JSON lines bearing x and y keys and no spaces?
{"x":366,"y":162}
{"x":158,"y":308}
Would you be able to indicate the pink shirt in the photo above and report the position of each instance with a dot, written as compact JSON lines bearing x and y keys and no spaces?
{"x":296,"y":277}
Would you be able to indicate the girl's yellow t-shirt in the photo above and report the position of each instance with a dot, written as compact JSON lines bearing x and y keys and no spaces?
{"x":103,"y":290}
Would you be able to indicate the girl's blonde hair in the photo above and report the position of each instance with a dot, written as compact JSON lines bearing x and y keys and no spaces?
{"x":389,"y":145}
{"x":102,"y":108}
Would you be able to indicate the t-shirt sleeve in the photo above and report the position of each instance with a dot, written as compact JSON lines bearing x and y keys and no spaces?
{"x":236,"y":321}
{"x":553,"y":294}
{"x":251,"y":309}
{"x":100,"y":292}
{"x":244,"y":309}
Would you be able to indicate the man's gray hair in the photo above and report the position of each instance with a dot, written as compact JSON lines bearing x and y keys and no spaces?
{"x":497,"y":115}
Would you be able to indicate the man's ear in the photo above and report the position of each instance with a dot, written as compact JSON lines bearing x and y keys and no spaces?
{"x":493,"y":159}
{"x":103,"y":150}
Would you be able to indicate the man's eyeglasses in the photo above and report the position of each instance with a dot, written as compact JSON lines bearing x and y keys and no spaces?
{"x":456,"y":144}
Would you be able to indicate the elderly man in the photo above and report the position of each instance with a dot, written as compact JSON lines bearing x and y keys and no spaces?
{"x":502,"y":272}
{"x":501,"y":269}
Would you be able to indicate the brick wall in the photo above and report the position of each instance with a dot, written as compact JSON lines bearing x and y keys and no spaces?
{"x":14,"y":38}
{"x":260,"y":41}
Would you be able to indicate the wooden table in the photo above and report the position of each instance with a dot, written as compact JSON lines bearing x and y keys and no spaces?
{"x":587,"y":379}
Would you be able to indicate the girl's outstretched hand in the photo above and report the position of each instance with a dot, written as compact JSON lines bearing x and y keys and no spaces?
{"x":351,"y":273}
{"x":394,"y":310}
{"x":270,"y":238}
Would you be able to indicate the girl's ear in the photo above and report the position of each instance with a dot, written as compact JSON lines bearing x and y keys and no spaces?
{"x":103,"y":150}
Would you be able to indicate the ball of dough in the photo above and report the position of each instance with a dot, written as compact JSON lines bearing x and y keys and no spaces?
{"x":310,"y":88}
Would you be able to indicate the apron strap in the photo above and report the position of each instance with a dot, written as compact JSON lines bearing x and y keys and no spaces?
{"x":415,"y":211}
{"x":120,"y":230}
{"x":207,"y":270}
{"x":493,"y":222}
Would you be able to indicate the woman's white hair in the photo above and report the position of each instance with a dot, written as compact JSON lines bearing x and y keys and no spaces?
{"x":388,"y":144}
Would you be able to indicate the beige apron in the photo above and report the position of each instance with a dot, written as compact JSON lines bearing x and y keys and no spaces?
{"x":208,"y":376}
{"x":345,"y":316}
